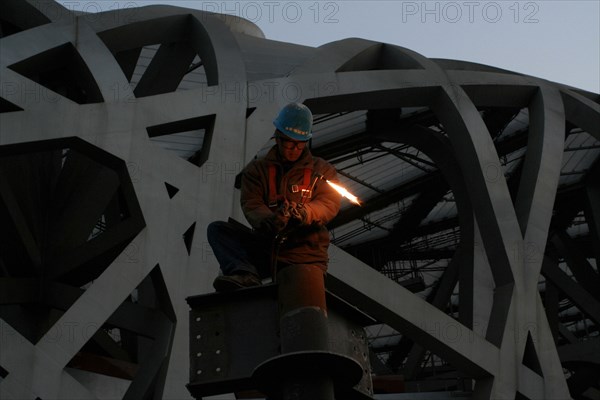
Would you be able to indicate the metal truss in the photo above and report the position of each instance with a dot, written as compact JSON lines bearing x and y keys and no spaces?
{"x":121,"y":135}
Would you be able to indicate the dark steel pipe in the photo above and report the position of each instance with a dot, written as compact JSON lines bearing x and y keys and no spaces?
{"x":303,"y":328}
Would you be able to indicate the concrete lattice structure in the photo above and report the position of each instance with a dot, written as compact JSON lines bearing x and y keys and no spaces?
{"x":104,"y":227}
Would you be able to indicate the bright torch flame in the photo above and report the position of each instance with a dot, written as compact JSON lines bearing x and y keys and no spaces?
{"x":345,"y":193}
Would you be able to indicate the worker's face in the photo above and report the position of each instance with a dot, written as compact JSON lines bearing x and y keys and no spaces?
{"x":290,"y":150}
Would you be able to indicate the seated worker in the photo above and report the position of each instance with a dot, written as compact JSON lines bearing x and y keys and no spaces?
{"x":287,"y":204}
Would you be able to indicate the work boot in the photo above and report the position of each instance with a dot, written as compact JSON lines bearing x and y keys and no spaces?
{"x":227,"y":283}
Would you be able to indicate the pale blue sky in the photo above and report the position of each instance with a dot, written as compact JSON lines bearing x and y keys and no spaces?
{"x":557,"y":40}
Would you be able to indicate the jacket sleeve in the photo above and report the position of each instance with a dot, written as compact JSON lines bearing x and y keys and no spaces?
{"x":325,"y":201}
{"x":254,"y":195}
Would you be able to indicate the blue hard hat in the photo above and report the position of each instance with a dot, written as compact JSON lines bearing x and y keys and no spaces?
{"x":295,"y":121}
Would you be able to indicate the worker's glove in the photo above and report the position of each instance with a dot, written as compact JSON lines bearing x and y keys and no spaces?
{"x":280,"y":221}
{"x":276,"y":222}
{"x":298,"y":212}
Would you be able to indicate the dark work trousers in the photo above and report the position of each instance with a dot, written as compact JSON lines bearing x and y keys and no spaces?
{"x":239,"y":249}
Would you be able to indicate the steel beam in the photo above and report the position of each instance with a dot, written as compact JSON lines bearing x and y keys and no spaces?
{"x":583,"y":300}
{"x":386,"y":301}
{"x":592,"y":209}
{"x":580,"y":267}
{"x":166,"y":70}
{"x":443,"y":293}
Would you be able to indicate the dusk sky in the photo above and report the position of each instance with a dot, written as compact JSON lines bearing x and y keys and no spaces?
{"x":556,"y":40}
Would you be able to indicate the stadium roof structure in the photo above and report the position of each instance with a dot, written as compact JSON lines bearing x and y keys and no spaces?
{"x":476,"y":247}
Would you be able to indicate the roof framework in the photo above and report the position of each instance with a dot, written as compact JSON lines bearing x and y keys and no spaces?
{"x":410,"y":230}
{"x":476,"y":247}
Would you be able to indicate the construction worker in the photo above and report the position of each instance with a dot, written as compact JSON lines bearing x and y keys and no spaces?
{"x":287,"y":204}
